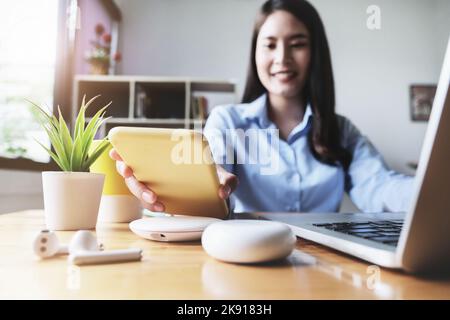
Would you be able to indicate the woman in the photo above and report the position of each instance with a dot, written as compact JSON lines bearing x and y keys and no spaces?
{"x":288,"y":113}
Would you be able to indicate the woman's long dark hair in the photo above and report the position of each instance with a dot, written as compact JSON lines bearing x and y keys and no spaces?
{"x":324,"y":136}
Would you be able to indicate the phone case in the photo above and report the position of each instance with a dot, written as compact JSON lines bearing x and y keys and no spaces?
{"x":176,"y":164}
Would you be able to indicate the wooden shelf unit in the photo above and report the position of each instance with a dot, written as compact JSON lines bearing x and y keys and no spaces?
{"x":150,"y":101}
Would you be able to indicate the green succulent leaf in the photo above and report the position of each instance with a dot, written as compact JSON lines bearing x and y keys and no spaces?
{"x":54,"y":157}
{"x":79,"y":123}
{"x":47,"y":119}
{"x":102,"y":146}
{"x":92,"y":128}
{"x":64,"y":134}
{"x":71,"y":152}
{"x":76,"y":158}
{"x":58,"y":146}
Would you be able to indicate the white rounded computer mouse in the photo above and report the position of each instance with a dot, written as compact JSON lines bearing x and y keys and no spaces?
{"x":248,"y":241}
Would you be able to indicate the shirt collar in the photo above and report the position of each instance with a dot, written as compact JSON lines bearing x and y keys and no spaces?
{"x":306,"y":117}
{"x":303,"y":126}
{"x":257,"y":110}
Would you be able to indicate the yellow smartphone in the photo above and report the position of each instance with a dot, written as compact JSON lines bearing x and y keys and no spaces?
{"x":175,"y":163}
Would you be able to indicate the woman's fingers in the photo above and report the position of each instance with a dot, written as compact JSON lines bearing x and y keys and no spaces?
{"x":155,"y":207}
{"x":224,"y":192}
{"x":143,"y":193}
{"x":121,"y":167}
{"x":140,"y":190}
{"x":147,"y":197}
{"x":114,"y":155}
{"x":228,"y":182}
{"x":124,"y":170}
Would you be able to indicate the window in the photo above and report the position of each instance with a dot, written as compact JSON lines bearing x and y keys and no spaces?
{"x":28,"y":34}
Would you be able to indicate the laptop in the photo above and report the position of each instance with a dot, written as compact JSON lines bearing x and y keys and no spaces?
{"x":415,"y":241}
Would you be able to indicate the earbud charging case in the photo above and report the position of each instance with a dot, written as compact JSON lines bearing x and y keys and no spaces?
{"x":171,"y":228}
{"x":248,"y":241}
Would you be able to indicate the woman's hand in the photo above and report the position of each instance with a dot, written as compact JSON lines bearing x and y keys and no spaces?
{"x":228,"y":182}
{"x":148,"y":197}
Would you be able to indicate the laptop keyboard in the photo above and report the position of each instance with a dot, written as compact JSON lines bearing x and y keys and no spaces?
{"x":386,"y":231}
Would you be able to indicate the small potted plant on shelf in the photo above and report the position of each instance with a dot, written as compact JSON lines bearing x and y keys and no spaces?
{"x":72,"y":196}
{"x":99,"y":57}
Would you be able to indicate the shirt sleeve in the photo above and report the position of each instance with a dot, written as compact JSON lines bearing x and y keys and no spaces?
{"x":218,"y":133}
{"x":371,"y":185}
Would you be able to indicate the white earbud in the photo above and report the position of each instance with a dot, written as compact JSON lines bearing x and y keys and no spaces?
{"x":83,"y":249}
{"x":46,"y":245}
{"x":84,"y":240}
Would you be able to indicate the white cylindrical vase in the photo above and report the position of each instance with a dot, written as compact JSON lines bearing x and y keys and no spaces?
{"x":71,"y":199}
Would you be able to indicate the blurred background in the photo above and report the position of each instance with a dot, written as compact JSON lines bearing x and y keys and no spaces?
{"x":139,"y":52}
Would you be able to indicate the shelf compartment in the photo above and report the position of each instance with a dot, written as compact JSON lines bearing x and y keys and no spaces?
{"x":160,"y":100}
{"x":117,"y":92}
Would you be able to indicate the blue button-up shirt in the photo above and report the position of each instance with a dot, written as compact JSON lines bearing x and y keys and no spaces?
{"x":277,"y":175}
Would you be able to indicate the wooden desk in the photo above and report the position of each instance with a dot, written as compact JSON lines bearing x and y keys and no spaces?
{"x":185,"y":271}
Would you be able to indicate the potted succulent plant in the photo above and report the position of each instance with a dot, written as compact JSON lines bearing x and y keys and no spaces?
{"x":72,"y":196}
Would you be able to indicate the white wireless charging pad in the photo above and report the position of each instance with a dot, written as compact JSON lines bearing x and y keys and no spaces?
{"x":171,"y":228}
{"x":248,"y":241}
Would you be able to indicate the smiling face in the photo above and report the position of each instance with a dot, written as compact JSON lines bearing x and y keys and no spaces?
{"x":283,"y":55}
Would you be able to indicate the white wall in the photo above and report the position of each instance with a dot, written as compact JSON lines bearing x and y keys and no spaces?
{"x":373,"y":69}
{"x":443,"y":23}
{"x":204,"y":38}
{"x":20,"y":190}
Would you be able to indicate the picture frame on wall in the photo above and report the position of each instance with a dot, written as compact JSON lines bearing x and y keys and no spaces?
{"x":421,"y":101}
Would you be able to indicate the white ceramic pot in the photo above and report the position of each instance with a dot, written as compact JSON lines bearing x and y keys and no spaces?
{"x":119,"y":208}
{"x":71,"y":199}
